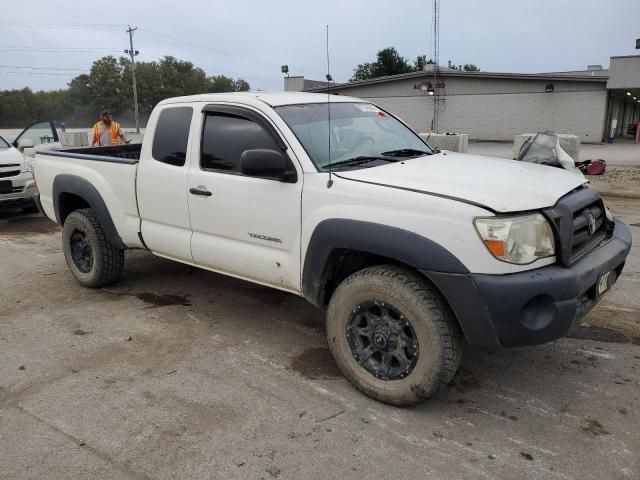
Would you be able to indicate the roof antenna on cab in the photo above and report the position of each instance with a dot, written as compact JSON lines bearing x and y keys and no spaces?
{"x":329,"y":80}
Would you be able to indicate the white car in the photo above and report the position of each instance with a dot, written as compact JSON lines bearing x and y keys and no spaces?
{"x":410,"y":250}
{"x":17,"y":186}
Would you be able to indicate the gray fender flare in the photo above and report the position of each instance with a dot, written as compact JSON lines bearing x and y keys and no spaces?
{"x":84,"y":189}
{"x":391,"y":242}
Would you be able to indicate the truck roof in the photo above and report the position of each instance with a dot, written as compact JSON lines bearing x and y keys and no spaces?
{"x":273,"y":99}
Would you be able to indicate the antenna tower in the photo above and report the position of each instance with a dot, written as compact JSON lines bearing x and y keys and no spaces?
{"x":436,"y":68}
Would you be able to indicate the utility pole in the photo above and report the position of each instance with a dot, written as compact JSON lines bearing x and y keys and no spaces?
{"x":133,"y":53}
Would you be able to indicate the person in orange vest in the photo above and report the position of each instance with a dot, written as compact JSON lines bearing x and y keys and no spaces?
{"x":107,"y":132}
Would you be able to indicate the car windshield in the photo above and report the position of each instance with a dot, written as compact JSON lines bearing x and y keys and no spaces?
{"x":358,"y":132}
{"x":3,"y":144}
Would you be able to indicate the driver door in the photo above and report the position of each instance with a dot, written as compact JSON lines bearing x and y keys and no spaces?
{"x":244,"y":226}
{"x":43,"y":135}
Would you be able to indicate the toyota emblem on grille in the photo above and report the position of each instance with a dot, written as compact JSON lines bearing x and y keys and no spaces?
{"x":592,"y":224}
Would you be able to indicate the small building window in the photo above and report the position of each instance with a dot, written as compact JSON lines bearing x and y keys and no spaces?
{"x":171,"y":135}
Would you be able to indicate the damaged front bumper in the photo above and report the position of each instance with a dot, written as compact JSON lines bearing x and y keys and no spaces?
{"x":535,"y":306}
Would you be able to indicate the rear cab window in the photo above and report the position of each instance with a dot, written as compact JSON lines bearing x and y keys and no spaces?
{"x":171,"y":136}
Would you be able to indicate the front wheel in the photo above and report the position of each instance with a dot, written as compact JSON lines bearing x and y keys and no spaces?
{"x":91,"y":258}
{"x":392,"y":335}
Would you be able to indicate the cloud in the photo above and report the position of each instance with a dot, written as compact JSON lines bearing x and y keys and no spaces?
{"x":251,"y":39}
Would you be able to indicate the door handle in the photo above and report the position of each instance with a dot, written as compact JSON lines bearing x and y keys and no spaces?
{"x":200,"y":191}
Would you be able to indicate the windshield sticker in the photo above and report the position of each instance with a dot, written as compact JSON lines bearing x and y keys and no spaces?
{"x":367,"y":107}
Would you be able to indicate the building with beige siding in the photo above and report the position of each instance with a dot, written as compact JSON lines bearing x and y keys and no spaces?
{"x":499,"y":106}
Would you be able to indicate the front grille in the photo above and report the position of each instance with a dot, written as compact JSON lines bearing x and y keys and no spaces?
{"x":588,"y":228}
{"x":580,"y":224}
{"x":11,"y":173}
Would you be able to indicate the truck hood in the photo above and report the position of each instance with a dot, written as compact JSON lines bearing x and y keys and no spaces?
{"x":10,"y":156}
{"x":497,"y":184}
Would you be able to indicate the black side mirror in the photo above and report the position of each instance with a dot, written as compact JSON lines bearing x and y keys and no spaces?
{"x":262,"y":162}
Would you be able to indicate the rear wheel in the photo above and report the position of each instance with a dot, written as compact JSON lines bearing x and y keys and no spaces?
{"x":92,"y":259}
{"x":392,"y":335}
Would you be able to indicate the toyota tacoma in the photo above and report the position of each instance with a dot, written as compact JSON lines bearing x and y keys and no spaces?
{"x":410,"y":250}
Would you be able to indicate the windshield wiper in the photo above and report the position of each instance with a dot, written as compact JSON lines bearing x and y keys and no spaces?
{"x":405,"y":152}
{"x":357,"y":161}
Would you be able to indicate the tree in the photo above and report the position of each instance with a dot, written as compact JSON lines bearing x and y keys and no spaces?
{"x":15,"y":108}
{"x":363,"y":71}
{"x":79,"y":91}
{"x":220,"y":83}
{"x":108,"y":86}
{"x":388,"y":62}
{"x":468,"y":67}
{"x":242,"y":85}
{"x":80,"y":101}
{"x":108,"y":91}
{"x":421,"y":62}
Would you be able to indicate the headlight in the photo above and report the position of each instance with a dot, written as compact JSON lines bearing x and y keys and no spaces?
{"x":27,"y":167}
{"x":607,"y":212}
{"x":519,"y":239}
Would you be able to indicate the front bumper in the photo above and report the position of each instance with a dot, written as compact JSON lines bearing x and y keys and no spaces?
{"x":24,"y":188}
{"x":532,"y":307}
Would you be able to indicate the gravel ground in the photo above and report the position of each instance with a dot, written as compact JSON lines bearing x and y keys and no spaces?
{"x":176,"y":372}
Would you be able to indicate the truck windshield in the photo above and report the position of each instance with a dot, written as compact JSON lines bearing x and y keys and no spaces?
{"x":358,"y":132}
{"x":3,"y":144}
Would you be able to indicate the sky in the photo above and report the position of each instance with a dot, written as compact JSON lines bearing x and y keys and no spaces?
{"x":44,"y":43}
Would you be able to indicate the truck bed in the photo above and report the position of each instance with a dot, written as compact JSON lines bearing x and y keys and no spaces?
{"x":129,"y":153}
{"x":105,"y":172}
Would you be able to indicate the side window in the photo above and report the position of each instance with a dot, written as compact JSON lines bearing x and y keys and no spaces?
{"x":172,"y":135}
{"x":225,"y":137}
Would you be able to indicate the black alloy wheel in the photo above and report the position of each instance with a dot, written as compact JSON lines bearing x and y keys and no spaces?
{"x":382,"y":340}
{"x":81,"y":251}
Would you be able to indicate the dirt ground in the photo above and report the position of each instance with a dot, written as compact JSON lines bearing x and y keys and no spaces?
{"x":175,"y":372}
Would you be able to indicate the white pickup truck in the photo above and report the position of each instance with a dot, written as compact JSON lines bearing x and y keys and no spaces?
{"x":410,"y":250}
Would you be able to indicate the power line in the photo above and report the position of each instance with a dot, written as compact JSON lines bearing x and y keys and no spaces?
{"x":218,"y":70}
{"x":182,"y":44}
{"x":188,"y":45}
{"x":44,"y":68}
{"x":40,"y":73}
{"x":56,"y":49}
{"x":151,"y":56}
{"x":66,"y":25}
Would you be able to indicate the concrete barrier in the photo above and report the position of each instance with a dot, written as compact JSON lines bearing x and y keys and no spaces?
{"x":74,"y":139}
{"x":569,"y":143}
{"x":458,"y":142}
{"x":133,"y":136}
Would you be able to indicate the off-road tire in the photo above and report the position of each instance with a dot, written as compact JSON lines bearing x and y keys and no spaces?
{"x":436,"y":329}
{"x":107,"y":260}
